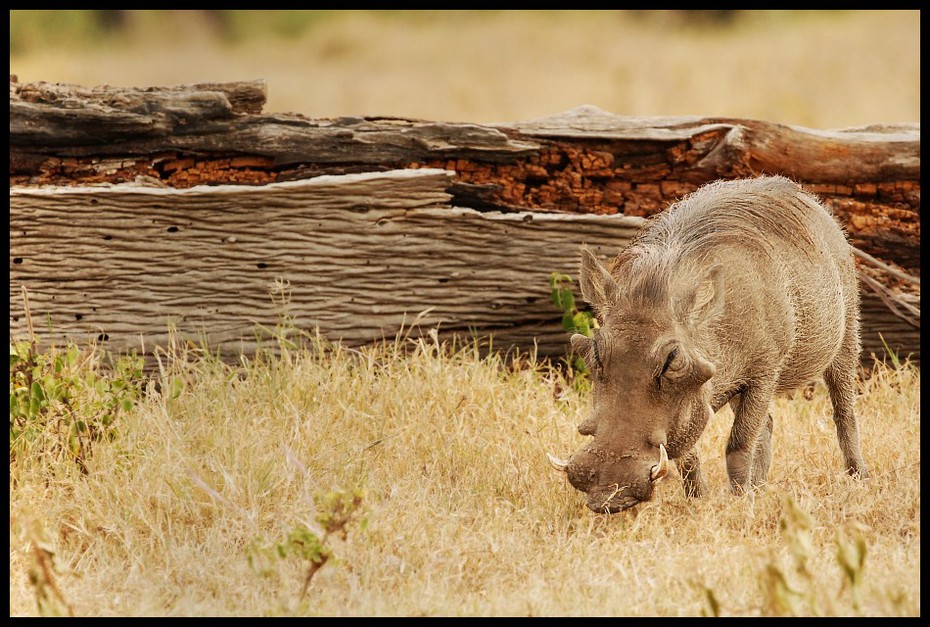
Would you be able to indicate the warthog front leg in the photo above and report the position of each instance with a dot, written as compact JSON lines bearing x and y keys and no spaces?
{"x":762,"y":456}
{"x":689,"y":467}
{"x":751,"y":419}
{"x":762,"y":453}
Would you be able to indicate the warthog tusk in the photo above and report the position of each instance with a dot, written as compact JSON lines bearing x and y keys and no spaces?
{"x":559,"y":464}
{"x":661,"y":469}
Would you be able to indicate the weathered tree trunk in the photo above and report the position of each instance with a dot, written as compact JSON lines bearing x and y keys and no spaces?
{"x":465,"y":221}
{"x":358,"y":255}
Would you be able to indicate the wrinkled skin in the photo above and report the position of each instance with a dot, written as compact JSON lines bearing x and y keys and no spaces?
{"x":692,"y":319}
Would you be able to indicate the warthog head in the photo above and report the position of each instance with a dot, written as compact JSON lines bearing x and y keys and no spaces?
{"x":651,"y":391}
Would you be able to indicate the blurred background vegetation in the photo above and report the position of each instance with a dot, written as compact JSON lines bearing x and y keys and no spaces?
{"x":821,"y":69}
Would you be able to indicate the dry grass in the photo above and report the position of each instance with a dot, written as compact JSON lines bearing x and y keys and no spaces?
{"x":462,"y":515}
{"x":822,"y":69}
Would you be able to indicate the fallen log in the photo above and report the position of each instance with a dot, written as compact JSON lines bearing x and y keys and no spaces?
{"x":357,"y":255}
{"x":134,"y":210}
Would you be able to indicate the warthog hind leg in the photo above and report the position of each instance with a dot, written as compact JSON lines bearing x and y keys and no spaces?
{"x":840,"y":377}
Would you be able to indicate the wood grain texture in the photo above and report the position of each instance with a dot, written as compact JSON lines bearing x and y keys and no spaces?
{"x":880,"y":327}
{"x":362,"y":255}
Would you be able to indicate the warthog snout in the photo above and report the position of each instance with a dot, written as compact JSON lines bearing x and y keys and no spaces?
{"x":614,"y":486}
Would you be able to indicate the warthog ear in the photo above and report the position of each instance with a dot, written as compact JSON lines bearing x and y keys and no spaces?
{"x":581,"y":344}
{"x":705,"y":301}
{"x":702,"y":370}
{"x":598,"y":288}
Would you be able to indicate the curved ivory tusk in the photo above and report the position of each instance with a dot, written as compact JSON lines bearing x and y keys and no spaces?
{"x":660,"y":469}
{"x":559,"y":464}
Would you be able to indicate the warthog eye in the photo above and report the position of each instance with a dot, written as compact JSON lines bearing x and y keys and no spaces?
{"x":673,"y":363}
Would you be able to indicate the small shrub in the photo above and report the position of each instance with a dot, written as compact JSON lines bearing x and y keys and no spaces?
{"x":43,"y":566}
{"x":65,"y":400}
{"x":574,"y":320}
{"x":808,"y":597}
{"x":335,"y":511}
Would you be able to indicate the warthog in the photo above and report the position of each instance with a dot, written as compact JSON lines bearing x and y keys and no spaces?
{"x":744,"y":289}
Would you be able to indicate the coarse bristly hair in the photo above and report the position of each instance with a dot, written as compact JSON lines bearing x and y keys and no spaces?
{"x":674,"y":247}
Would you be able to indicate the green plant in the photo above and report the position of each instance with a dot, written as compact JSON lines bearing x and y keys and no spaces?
{"x":804,"y":599}
{"x":574,"y":320}
{"x":713,"y":605}
{"x":63,"y":401}
{"x":43,"y":567}
{"x":850,"y":552}
{"x":335,"y":510}
{"x":892,"y":355}
{"x":781,"y":598}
